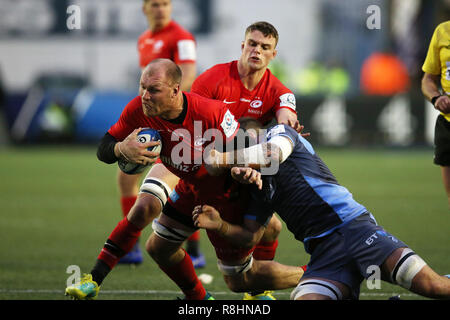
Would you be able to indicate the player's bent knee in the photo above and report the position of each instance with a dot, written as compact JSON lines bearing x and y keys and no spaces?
{"x":150,"y":247}
{"x":152,"y":198}
{"x":235,"y":285}
{"x":231,"y":270}
{"x":161,"y":251}
{"x":234,"y":275}
{"x":156,"y":188}
{"x":407,"y":267}
{"x":156,"y":249}
{"x":314,"y":289}
{"x":144,"y":210}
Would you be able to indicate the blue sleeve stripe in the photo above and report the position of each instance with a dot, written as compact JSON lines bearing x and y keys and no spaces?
{"x":306,"y":143}
{"x":337,"y":197}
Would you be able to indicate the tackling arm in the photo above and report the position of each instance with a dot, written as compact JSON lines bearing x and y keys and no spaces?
{"x":256,"y":157}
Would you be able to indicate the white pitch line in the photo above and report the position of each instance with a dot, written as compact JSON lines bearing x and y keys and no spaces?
{"x":173,"y":292}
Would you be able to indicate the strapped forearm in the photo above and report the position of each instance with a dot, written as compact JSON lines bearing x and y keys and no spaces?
{"x":255,"y":157}
{"x":258,"y":156}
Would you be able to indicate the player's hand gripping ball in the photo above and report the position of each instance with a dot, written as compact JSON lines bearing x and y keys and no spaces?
{"x":144,"y":136}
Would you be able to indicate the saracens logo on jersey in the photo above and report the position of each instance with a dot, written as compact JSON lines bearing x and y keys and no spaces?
{"x":255,"y":104}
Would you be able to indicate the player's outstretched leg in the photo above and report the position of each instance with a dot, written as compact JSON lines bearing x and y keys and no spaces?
{"x":121,"y":241}
{"x":405,"y":268}
{"x":320,"y":289}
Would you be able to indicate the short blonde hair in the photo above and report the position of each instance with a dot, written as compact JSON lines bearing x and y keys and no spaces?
{"x":265,"y":28}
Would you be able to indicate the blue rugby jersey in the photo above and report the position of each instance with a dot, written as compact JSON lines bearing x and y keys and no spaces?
{"x":303,"y":192}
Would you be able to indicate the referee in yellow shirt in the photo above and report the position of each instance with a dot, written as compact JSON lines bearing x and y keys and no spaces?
{"x":437,"y":71}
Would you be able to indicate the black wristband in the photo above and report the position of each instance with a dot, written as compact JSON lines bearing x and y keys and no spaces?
{"x":105,"y":150}
{"x":433,"y":100}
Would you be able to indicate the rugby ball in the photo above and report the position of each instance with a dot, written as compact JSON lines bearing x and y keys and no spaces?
{"x":144,"y":136}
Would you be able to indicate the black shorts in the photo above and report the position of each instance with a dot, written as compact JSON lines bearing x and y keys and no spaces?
{"x":442,"y":141}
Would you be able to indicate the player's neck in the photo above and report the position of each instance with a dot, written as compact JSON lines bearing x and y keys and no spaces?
{"x":177,"y":110}
{"x":250,"y":77}
{"x":156,"y":26}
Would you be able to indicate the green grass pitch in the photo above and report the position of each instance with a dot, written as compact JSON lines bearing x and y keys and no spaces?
{"x":59,"y":204}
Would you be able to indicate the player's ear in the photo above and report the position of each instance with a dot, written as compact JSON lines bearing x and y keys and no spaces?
{"x":175,"y":91}
{"x":242,"y":45}
{"x":275,"y":52}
